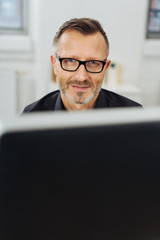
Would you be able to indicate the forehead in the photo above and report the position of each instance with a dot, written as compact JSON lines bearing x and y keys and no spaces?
{"x":73,"y":43}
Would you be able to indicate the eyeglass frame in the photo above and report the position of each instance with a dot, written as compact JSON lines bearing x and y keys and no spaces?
{"x":81,"y":63}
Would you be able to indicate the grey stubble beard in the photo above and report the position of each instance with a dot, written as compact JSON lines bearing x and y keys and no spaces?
{"x":78,"y":98}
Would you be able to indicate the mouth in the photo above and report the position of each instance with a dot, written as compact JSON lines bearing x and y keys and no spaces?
{"x":80,"y":88}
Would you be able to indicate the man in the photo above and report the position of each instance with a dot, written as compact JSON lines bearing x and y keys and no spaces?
{"x":79,"y":62}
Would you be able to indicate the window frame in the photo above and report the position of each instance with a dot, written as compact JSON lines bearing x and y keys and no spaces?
{"x":23,"y":29}
{"x":152,"y":34}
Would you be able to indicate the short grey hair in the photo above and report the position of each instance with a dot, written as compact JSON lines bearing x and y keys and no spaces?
{"x":85,"y":26}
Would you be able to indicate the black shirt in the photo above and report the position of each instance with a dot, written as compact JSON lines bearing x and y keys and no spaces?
{"x":106,"y":99}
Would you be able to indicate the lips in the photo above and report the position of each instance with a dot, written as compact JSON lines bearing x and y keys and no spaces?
{"x":80,"y":88}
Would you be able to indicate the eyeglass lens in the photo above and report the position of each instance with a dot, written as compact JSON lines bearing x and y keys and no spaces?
{"x":72,"y":64}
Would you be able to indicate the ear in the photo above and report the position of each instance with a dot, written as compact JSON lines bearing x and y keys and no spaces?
{"x":53,"y":61}
{"x":107,"y":64}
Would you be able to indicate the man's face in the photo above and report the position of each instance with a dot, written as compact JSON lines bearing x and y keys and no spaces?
{"x":80,"y":86}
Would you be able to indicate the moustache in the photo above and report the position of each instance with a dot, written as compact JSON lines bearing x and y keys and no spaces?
{"x":84,"y":83}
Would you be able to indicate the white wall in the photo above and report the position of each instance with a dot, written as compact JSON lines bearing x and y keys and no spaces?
{"x":17,"y":54}
{"x":124,"y":22}
{"x":150,"y":72}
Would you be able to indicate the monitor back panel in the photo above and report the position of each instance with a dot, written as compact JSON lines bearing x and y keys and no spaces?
{"x":81,"y":183}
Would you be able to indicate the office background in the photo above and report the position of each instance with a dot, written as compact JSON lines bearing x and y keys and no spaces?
{"x":25,"y":68}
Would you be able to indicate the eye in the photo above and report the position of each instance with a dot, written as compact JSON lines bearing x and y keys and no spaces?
{"x":68,"y":61}
{"x":92,"y":62}
{"x":71,"y":60}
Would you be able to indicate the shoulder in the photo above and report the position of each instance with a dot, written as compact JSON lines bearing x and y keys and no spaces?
{"x":46,"y":103}
{"x":115,"y":100}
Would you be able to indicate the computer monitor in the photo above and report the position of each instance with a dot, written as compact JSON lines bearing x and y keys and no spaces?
{"x":85,"y":175}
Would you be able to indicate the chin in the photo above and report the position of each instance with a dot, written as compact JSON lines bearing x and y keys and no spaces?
{"x":80,"y":100}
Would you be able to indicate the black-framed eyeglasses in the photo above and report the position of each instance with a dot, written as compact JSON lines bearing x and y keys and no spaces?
{"x":71,"y":64}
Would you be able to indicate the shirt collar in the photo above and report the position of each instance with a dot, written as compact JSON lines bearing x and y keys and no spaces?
{"x":59,"y":104}
{"x":101,"y":100}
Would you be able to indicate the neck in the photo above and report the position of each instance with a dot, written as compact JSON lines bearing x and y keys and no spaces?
{"x":70,"y":106}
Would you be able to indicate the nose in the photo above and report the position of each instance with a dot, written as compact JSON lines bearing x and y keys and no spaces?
{"x":81,"y":74}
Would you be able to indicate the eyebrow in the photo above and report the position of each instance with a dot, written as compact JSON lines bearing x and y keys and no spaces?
{"x":88,"y":59}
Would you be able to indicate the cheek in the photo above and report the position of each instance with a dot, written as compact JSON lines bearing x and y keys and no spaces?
{"x":98,"y":79}
{"x":102,"y":75}
{"x":63,"y":76}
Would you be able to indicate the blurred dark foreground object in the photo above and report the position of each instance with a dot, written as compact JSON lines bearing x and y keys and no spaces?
{"x":87,"y":181}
